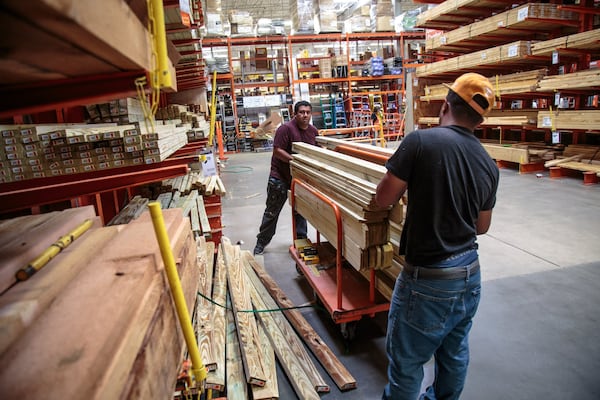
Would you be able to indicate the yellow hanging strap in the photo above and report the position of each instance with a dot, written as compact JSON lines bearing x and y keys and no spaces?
{"x":198,"y":369}
{"x":498,"y":88}
{"x":552,"y":120}
{"x":381,"y":117}
{"x":213,"y":110}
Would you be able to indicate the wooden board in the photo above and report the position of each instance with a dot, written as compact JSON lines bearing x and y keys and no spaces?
{"x":453,"y":13}
{"x":245,"y":321}
{"x":25,"y":238}
{"x":290,"y":350}
{"x":236,"y":381}
{"x":216,"y":379}
{"x":507,"y":153}
{"x":505,"y":27}
{"x":336,"y":370}
{"x":88,"y":335}
{"x":569,"y":119}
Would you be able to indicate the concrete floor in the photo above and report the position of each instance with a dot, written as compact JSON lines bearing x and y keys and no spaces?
{"x":537,"y":332}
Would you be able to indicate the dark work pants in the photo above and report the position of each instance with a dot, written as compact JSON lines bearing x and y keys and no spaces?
{"x":276,"y":198}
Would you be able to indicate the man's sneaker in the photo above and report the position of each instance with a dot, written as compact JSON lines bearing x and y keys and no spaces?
{"x":259,"y":249}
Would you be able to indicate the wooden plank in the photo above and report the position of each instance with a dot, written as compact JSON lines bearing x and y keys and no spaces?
{"x":363,"y":169}
{"x":246,"y":323}
{"x":204,"y":222}
{"x":104,"y":346}
{"x":160,"y":357}
{"x":204,"y":308}
{"x":20,"y":247}
{"x":77,"y":22}
{"x":216,"y":379}
{"x":271,"y":388}
{"x":290,"y":350}
{"x":236,"y":382}
{"x":505,"y":153}
{"x":336,"y":370}
{"x":569,"y":119}
{"x":20,"y":307}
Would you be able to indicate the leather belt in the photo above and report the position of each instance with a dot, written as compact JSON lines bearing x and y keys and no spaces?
{"x":442,"y":273}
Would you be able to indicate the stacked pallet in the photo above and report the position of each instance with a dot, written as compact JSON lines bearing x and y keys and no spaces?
{"x":584,"y":41}
{"x":515,"y":53}
{"x":162,"y":141}
{"x":240,"y":346}
{"x":505,"y":26}
{"x":588,"y":79}
{"x":100,"y":311}
{"x":569,"y":119}
{"x":351,"y":184}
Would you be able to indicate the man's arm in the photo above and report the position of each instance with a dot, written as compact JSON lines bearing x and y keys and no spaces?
{"x":483,"y":221}
{"x":389,"y":190}
{"x":282,"y":155}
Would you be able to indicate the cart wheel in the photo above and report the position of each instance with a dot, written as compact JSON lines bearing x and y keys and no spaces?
{"x":348,"y":330}
{"x":299,"y":270}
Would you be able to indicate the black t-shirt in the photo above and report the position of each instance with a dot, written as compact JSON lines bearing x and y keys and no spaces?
{"x":450,"y":179}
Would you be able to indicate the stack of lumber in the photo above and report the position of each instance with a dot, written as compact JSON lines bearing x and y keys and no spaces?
{"x":520,"y":82}
{"x":207,"y":185}
{"x":162,"y":141}
{"x":506,"y":119}
{"x":587,"y":79}
{"x":351,"y":184}
{"x":38,"y":151}
{"x":455,"y":13}
{"x":522,"y":152}
{"x":588,"y":40}
{"x":511,"y":54}
{"x":239,"y":347}
{"x":185,"y":192}
{"x":569,"y":119}
{"x":98,"y":320}
{"x":585,"y":158}
{"x":503,"y":27}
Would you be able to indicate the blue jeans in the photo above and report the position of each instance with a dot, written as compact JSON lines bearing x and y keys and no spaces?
{"x":276,"y":198}
{"x":430,"y":318}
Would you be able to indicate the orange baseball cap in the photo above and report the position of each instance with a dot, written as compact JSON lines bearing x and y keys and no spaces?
{"x":471,"y":84}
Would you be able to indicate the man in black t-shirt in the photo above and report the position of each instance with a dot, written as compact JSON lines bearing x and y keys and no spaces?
{"x":298,"y":129}
{"x":451,"y":183}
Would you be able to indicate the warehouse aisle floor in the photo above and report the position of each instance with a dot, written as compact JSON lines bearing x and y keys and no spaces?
{"x":537,"y":332}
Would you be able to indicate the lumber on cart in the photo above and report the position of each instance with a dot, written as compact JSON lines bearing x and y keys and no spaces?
{"x":506,"y":26}
{"x":351,"y":185}
{"x":243,"y":345}
{"x":98,"y":320}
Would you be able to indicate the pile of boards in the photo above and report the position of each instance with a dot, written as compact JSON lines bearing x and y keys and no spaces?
{"x":585,"y":158}
{"x":350,"y":184}
{"x":241,"y":330}
{"x":185,"y":192}
{"x":98,"y":320}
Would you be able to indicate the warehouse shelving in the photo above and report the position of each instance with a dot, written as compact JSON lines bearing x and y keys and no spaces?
{"x":556,"y":43}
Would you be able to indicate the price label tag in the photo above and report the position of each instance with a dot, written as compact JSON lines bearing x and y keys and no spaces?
{"x":556,"y":99}
{"x":209,"y":167}
{"x":555,"y":137}
{"x":555,"y":57}
{"x":443,"y":39}
{"x":546,"y":121}
{"x":513,"y":51}
{"x":522,"y":14}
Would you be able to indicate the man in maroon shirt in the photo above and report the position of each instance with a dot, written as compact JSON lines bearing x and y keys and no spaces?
{"x":298,"y":129}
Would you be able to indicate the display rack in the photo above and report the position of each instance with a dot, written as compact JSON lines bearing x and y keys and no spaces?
{"x":541,"y":58}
